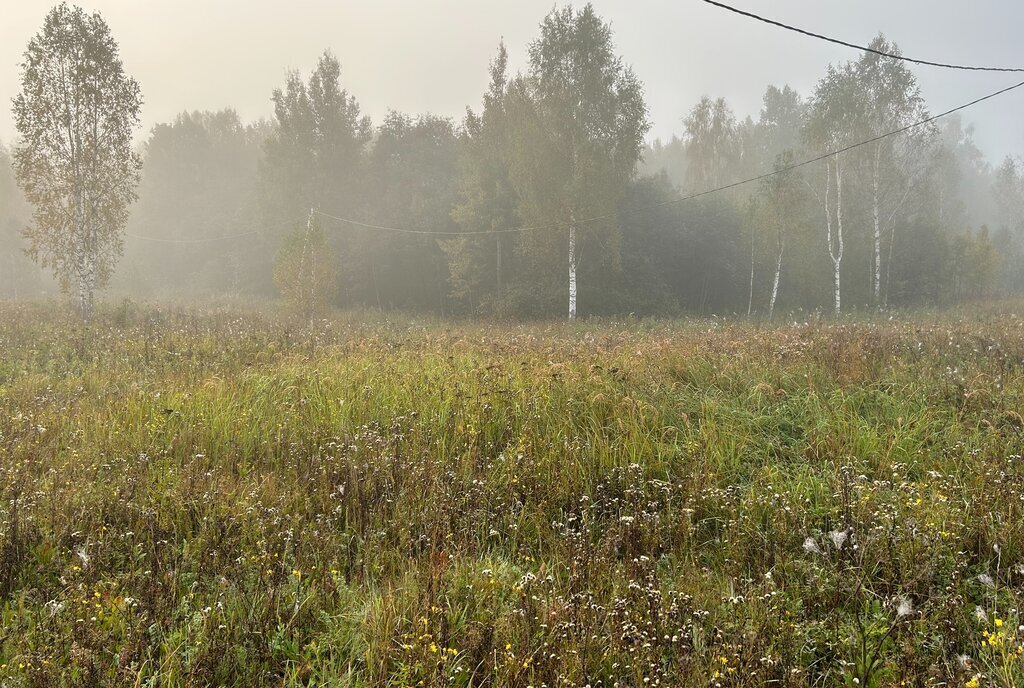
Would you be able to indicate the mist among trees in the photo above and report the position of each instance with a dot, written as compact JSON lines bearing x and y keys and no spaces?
{"x":548,"y":200}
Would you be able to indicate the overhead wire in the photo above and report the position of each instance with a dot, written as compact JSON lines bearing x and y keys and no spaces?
{"x":603,"y":216}
{"x":867,"y":49}
{"x":405,"y":230}
{"x":681,"y":199}
{"x":203,"y":240}
{"x":844,"y":149}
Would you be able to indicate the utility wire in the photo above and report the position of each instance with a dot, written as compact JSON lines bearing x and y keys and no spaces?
{"x":203,"y":240}
{"x":690,"y":197}
{"x":823,"y":156}
{"x":837,"y":41}
{"x":605,"y":216}
{"x":405,"y":230}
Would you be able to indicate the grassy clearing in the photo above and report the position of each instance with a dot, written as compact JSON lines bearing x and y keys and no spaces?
{"x":215,"y":499}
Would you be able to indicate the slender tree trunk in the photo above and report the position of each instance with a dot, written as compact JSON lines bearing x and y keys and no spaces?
{"x":835,"y":247}
{"x":499,"y":275}
{"x":307,"y":308}
{"x":892,"y":240}
{"x":572,"y":266}
{"x":83,"y":259}
{"x":839,"y":233}
{"x":877,"y":276}
{"x":312,"y":270}
{"x":750,"y":297}
{"x":888,"y":267}
{"x":775,"y":281}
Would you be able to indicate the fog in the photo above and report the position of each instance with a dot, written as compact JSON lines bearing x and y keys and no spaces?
{"x":225,"y":169}
{"x":427,"y":57}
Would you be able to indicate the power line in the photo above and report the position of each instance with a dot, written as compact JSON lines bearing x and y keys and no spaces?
{"x":823,"y":156}
{"x":837,"y":41}
{"x":605,"y":216}
{"x":699,"y":194}
{"x":405,"y":230}
{"x":203,"y":240}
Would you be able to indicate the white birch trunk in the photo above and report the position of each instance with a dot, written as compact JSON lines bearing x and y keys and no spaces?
{"x":750,"y":296}
{"x":877,"y":277}
{"x":835,"y":247}
{"x":82,"y":258}
{"x":775,"y":281}
{"x":572,"y":266}
{"x":839,"y":234}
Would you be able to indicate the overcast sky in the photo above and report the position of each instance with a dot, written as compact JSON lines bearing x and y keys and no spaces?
{"x":432,"y":55}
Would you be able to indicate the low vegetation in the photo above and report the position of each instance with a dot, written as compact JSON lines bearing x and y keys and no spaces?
{"x":219,"y":498}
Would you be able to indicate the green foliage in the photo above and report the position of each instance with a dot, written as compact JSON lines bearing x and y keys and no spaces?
{"x":975,"y":265}
{"x":74,"y":161}
{"x":306,"y":271}
{"x":578,"y":120}
{"x":474,"y":218}
{"x":313,"y":154}
{"x":478,"y":266}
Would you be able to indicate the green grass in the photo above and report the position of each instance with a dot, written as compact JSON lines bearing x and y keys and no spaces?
{"x":221,"y":498}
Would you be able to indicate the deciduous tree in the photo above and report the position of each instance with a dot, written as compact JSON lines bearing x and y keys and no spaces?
{"x":75,"y":162}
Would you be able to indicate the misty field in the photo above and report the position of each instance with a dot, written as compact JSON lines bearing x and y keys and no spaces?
{"x":218,"y":498}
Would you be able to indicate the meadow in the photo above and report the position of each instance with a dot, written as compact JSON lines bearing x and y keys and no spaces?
{"x":221,"y":498}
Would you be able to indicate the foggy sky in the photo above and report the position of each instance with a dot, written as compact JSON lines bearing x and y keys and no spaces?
{"x":432,"y":56}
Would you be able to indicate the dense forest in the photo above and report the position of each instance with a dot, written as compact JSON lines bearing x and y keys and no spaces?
{"x":551,"y":187}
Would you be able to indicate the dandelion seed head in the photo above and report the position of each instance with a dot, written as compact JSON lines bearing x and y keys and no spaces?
{"x":839,"y":537}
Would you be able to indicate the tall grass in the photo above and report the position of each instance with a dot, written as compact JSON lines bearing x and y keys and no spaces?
{"x":219,"y":498}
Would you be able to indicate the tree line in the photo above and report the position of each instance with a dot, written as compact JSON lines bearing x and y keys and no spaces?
{"x":547,"y":200}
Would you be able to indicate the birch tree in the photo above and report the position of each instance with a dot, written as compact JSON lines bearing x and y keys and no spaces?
{"x":74,"y":161}
{"x":835,"y":110}
{"x":891,"y":100}
{"x":783,"y":200}
{"x":579,"y":119}
{"x":305,"y":269}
